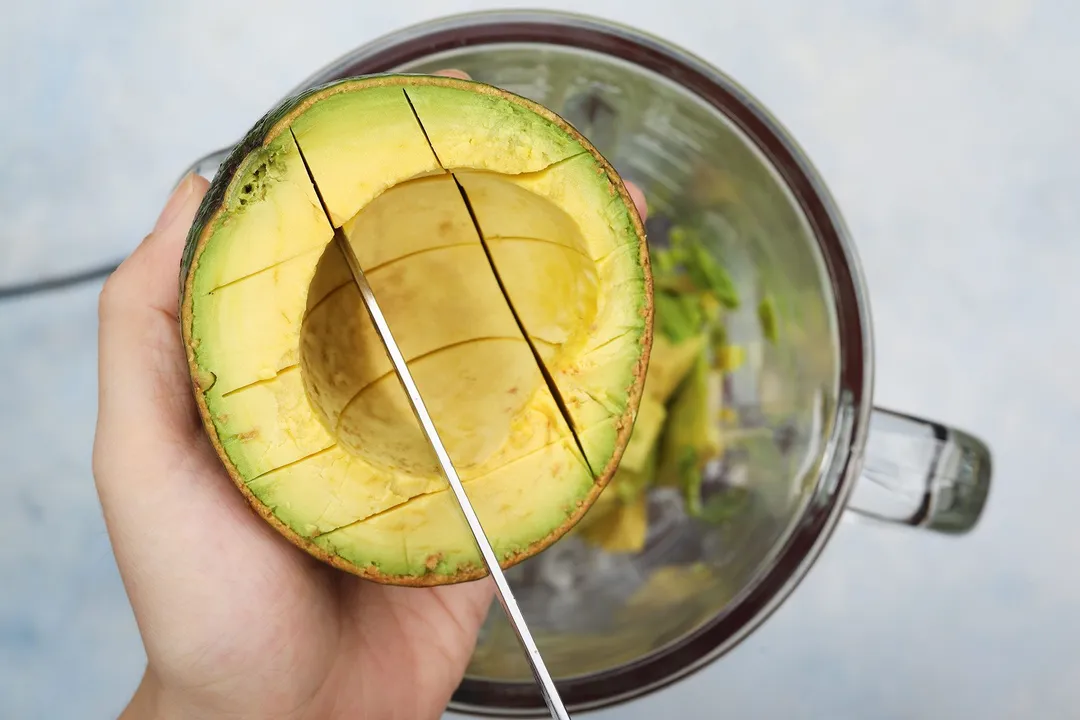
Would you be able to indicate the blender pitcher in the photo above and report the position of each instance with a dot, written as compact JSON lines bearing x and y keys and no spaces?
{"x":798,"y":439}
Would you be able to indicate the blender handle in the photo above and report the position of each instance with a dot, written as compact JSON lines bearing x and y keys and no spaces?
{"x":921,"y":473}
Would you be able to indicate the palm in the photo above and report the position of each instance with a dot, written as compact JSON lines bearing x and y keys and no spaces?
{"x":237,"y":622}
{"x":320,"y":637}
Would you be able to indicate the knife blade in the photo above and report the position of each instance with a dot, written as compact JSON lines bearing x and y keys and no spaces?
{"x":503,"y":591}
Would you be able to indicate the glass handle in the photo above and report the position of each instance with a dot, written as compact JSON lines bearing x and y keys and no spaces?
{"x":922,"y":473}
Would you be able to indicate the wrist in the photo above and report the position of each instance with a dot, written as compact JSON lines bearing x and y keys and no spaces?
{"x":146,"y":703}
{"x":154,"y":700}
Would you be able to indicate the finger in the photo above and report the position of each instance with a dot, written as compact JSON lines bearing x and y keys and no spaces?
{"x":142,"y":378}
{"x":431,"y":631}
{"x":466,"y":607}
{"x":639,"y":200}
{"x":453,"y":73}
{"x":175,"y":520}
{"x":148,"y":427}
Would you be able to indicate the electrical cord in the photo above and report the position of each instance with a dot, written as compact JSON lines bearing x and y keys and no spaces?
{"x":36,"y":287}
{"x":10,"y":292}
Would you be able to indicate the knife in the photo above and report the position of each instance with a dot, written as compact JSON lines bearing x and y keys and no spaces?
{"x":401,"y":369}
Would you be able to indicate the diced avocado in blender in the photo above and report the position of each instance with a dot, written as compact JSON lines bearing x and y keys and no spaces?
{"x":629,"y":485}
{"x":623,"y":529}
{"x":617,"y":521}
{"x":669,"y":364}
{"x":678,"y":315}
{"x":692,"y":435}
{"x":767,"y":317}
{"x":650,"y":419}
{"x":609,"y":528}
{"x":672,"y":585}
{"x":725,"y":506}
{"x":693,"y":292}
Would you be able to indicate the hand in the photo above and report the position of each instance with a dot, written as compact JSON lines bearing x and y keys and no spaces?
{"x":236,"y":621}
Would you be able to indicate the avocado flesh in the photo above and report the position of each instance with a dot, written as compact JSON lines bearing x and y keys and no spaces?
{"x":297,"y":387}
{"x":550,"y":189}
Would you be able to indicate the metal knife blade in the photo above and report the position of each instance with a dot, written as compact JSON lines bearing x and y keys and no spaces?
{"x":401,"y":369}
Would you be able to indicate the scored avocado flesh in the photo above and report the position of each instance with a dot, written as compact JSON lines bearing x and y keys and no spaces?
{"x":295,"y":384}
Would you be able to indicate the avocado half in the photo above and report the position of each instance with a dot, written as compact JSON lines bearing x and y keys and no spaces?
{"x":499,"y":244}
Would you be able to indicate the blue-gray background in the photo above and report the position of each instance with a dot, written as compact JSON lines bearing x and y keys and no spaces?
{"x":949,"y":131}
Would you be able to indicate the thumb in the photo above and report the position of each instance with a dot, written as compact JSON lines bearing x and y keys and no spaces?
{"x":178,"y":527}
{"x":142,"y":378}
{"x":146,"y":412}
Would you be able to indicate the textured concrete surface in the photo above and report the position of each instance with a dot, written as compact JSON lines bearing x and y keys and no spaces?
{"x":948,"y":132}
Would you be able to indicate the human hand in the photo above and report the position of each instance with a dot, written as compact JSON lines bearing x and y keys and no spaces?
{"x":236,"y":621}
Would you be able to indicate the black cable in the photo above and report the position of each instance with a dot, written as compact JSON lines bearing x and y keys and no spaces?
{"x":10,"y":292}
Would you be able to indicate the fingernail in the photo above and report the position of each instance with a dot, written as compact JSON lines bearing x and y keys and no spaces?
{"x":176,"y":201}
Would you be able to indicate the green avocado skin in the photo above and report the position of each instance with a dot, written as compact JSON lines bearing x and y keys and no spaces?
{"x":215,"y":195}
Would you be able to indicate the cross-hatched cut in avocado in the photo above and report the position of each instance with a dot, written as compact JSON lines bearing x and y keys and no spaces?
{"x":293,"y":384}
